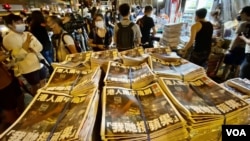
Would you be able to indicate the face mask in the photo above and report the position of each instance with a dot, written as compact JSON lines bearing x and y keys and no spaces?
{"x":20,"y":28}
{"x":99,"y":24}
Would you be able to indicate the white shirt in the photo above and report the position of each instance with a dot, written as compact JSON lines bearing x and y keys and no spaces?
{"x":27,"y":62}
{"x":247,"y":49}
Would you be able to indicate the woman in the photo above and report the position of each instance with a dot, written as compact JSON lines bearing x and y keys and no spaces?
{"x":38,"y":29}
{"x":100,"y":36}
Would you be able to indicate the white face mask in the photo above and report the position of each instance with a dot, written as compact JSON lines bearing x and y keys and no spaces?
{"x":20,"y":28}
{"x":99,"y":24}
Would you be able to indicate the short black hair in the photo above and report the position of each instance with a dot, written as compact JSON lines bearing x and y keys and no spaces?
{"x":9,"y":19}
{"x":246,"y":10}
{"x":57,"y":20}
{"x":124,"y":9}
{"x":23,"y":13}
{"x":201,"y":13}
{"x":148,"y":8}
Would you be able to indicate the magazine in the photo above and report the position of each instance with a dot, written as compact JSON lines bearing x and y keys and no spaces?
{"x":134,"y":57}
{"x":240,"y":84}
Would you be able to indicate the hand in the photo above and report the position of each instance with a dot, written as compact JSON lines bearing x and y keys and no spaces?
{"x":3,"y":56}
{"x":26,"y":44}
{"x":101,"y":47}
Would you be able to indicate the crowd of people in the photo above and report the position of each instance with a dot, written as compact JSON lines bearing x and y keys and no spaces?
{"x":28,"y":50}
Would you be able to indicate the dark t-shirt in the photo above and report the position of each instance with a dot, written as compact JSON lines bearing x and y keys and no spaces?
{"x":145,"y":23}
{"x":100,"y":40}
{"x":203,"y":39}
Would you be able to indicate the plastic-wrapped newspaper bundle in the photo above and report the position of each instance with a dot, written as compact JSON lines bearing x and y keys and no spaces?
{"x":102,"y":58}
{"x":77,"y":60}
{"x":206,"y":106}
{"x":183,"y":69}
{"x":171,"y":35}
{"x":134,"y":57}
{"x":140,"y":114}
{"x":128,"y":76}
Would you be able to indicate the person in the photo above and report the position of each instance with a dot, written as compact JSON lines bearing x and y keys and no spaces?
{"x":25,"y":49}
{"x":23,"y":15}
{"x":201,"y":37}
{"x":45,"y":14}
{"x":11,"y":95}
{"x":62,"y":42}
{"x":236,"y":52}
{"x":127,"y":34}
{"x":217,"y":25}
{"x":146,"y":23}
{"x":38,"y":29}
{"x":245,"y":66}
{"x":68,"y":20}
{"x":100,"y":36}
{"x":109,"y":20}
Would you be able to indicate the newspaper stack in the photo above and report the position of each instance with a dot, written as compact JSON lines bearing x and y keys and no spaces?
{"x":57,"y":117}
{"x":163,"y":54}
{"x":238,"y":87}
{"x":206,"y":106}
{"x":128,"y":76}
{"x":78,"y":60}
{"x":183,"y":69}
{"x":171,"y":35}
{"x":134,"y":57}
{"x":73,"y":81}
{"x":102,"y":58}
{"x":143,"y":114}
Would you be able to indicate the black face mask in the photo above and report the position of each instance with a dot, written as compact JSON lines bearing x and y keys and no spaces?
{"x":238,"y":18}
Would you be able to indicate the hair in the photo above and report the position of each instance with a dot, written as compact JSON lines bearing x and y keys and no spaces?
{"x":246,"y":10}
{"x":45,"y":12}
{"x":98,"y":15}
{"x":57,"y":20}
{"x":201,"y":13}
{"x":37,"y":18}
{"x":23,"y":13}
{"x":124,"y":9}
{"x":148,"y":8}
{"x":9,"y":19}
{"x":70,"y":15}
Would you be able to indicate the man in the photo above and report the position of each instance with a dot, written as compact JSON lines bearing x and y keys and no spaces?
{"x":146,"y":23}
{"x":127,"y":35}
{"x":64,"y":44}
{"x":201,"y":37}
{"x":26,"y":50}
{"x":236,"y":52}
{"x":245,"y":66}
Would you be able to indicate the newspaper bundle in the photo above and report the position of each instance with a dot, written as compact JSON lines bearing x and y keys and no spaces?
{"x":128,"y":76}
{"x":183,"y":69}
{"x":134,"y":57}
{"x":54,"y":116}
{"x":171,"y":35}
{"x":140,"y":114}
{"x":77,"y":60}
{"x":102,"y":58}
{"x":205,"y":105}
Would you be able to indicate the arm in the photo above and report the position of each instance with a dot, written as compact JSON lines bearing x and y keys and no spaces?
{"x":70,"y":44}
{"x":115,"y":33}
{"x":243,"y":37}
{"x":138,"y":34}
{"x":194,"y":30}
{"x":236,"y":39}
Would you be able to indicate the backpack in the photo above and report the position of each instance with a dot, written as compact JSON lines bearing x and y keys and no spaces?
{"x":77,"y":43}
{"x":125,"y":37}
